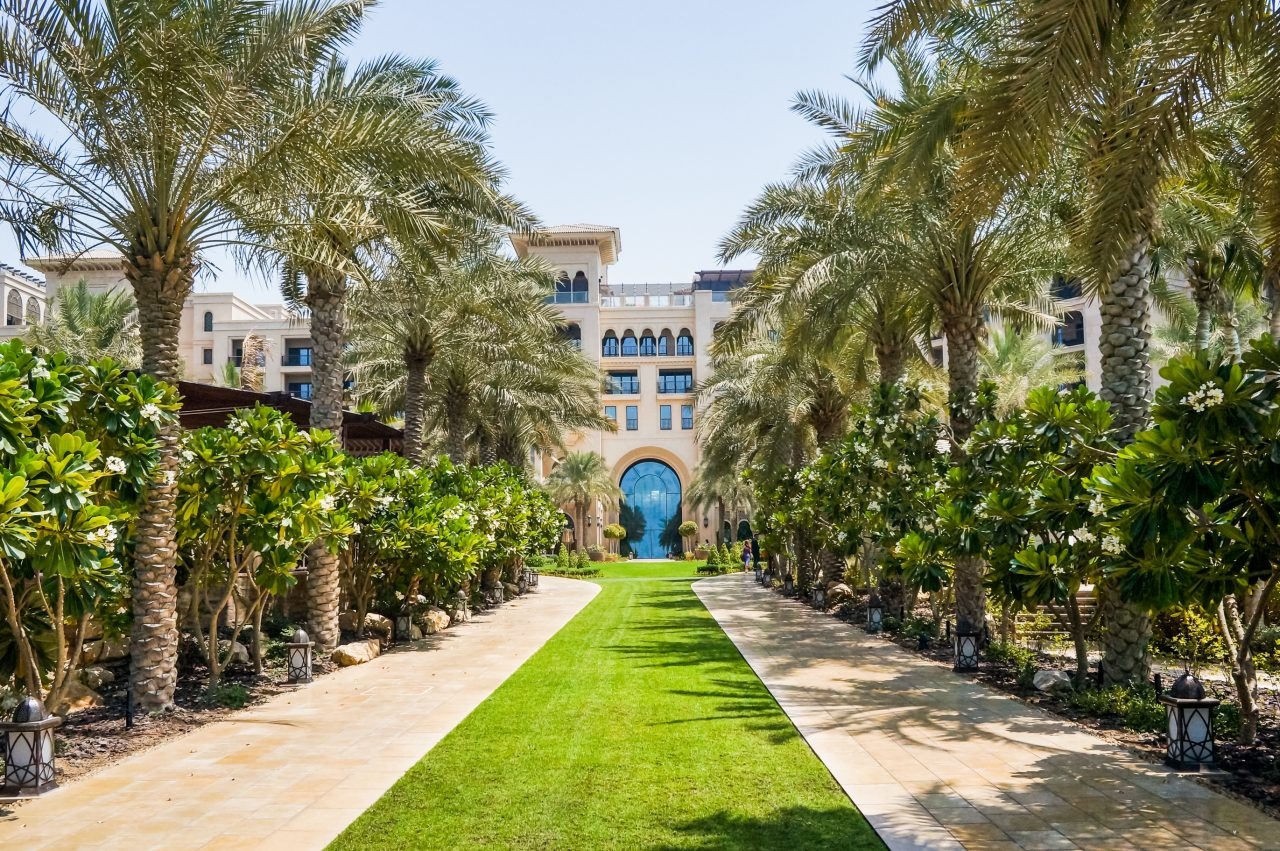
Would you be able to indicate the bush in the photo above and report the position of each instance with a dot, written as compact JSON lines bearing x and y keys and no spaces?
{"x":688,"y":555}
{"x":562,"y":559}
{"x":227,"y":696}
{"x":713,"y":558}
{"x":1137,"y":707}
{"x":1022,"y":661}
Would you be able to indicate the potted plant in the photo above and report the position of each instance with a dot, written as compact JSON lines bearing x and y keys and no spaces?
{"x":595,"y":553}
{"x":615,"y":532}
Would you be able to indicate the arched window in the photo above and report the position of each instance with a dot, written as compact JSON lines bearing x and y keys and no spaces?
{"x":629,"y":347}
{"x":33,"y":310}
{"x":648,"y":344}
{"x":13,"y":308}
{"x":573,"y":333}
{"x":208,"y":321}
{"x":666,"y":343}
{"x":580,"y":287}
{"x":609,"y":345}
{"x":684,"y":343}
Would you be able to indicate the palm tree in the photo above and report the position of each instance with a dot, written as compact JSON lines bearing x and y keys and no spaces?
{"x":473,"y":349}
{"x":582,"y":479}
{"x":174,"y":121}
{"x":1017,"y":362}
{"x":89,"y":326}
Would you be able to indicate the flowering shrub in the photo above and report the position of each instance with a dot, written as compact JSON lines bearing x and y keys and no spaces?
{"x":78,"y":445}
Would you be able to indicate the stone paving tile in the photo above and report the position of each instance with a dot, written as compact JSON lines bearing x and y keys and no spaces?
{"x":291,"y":774}
{"x":935,"y":760}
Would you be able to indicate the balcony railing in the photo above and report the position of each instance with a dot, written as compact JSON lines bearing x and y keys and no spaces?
{"x":301,"y":358}
{"x":567,"y":298}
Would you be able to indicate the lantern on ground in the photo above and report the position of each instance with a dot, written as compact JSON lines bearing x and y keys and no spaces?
{"x":788,"y":586}
{"x":298,"y":656}
{"x":820,"y":598}
{"x":1190,"y":720}
{"x":28,"y":741}
{"x":759,"y":573}
{"x":404,"y":627}
{"x":875,"y":613}
{"x":967,"y":640}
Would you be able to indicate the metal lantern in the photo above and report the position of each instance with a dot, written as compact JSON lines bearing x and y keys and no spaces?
{"x":1190,"y":718}
{"x":788,"y":586}
{"x":404,"y":627}
{"x":28,"y":741}
{"x":759,"y":573}
{"x":299,"y":656}
{"x":875,"y":613}
{"x":966,"y":646}
{"x":820,"y":598}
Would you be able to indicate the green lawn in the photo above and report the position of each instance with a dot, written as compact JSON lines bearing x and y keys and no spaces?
{"x":637,"y":726}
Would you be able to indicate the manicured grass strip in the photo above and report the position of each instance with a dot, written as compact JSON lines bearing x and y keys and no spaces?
{"x":637,"y":726}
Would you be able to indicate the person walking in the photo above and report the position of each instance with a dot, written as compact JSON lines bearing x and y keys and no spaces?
{"x":746,"y":556}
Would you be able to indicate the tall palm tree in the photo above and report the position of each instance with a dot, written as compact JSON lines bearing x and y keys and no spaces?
{"x":89,"y":326}
{"x":174,"y":119}
{"x":582,"y":479}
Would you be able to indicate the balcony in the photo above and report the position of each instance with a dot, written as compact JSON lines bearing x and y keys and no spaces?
{"x":568,"y":298}
{"x":297,"y":357}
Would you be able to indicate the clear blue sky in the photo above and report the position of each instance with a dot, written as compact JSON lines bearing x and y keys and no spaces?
{"x":662,"y":117}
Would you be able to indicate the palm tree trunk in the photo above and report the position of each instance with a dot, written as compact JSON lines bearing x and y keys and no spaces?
{"x":415,"y":404}
{"x":326,"y":297}
{"x":488,"y":449}
{"x":510,"y":450}
{"x":964,"y":329}
{"x":890,"y":360}
{"x":160,"y":290}
{"x":1202,"y":293}
{"x":456,"y":427}
{"x":1126,"y":385}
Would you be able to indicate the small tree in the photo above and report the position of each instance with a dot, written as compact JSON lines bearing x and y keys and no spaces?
{"x":687,"y":530}
{"x":615,"y":532}
{"x":713,"y":557}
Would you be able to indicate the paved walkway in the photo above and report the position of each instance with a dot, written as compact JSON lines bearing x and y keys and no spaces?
{"x":292,"y":773}
{"x":937,"y":761}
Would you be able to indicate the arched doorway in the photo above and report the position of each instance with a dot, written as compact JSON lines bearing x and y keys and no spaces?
{"x":652,"y":490}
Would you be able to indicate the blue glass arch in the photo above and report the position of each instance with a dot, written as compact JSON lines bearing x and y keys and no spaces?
{"x":652,"y":489}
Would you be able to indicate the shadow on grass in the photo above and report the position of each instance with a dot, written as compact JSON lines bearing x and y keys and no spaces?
{"x":787,"y":829}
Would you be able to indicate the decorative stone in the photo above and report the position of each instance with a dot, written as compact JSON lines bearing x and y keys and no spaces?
{"x":1050,"y":679}
{"x":357,"y":652}
{"x":96,"y":678}
{"x":373,"y":622}
{"x":75,"y":696}
{"x":415,"y":634}
{"x":511,"y":589}
{"x":106,"y":650}
{"x":839,"y":593}
{"x":435,"y":619}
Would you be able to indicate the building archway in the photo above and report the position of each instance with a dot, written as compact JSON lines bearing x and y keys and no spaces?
{"x":651,"y":489}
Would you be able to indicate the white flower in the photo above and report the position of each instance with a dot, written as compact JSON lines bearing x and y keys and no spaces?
{"x":224,"y":508}
{"x":1096,"y":508}
{"x":286,"y":522}
{"x":355,"y":528}
{"x":1206,"y":397}
{"x":151,"y":412}
{"x":880,"y":464}
{"x":39,"y":371}
{"x":170,"y":477}
{"x":115,"y":466}
{"x":1084,"y":536}
{"x":327,"y":502}
{"x":104,"y":537}
{"x":873,"y":506}
{"x":943,"y":446}
{"x":1112,"y":545}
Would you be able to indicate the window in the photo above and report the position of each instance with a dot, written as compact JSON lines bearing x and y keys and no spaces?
{"x":13,"y":308}
{"x":686,"y":417}
{"x":629,"y":347}
{"x":237,"y":352}
{"x":633,"y":418}
{"x":300,"y":389}
{"x":666,"y":343}
{"x":297,"y":356}
{"x":720,"y":296}
{"x":1071,"y":331}
{"x":570,"y":292}
{"x":664,"y":418}
{"x":675,"y":381}
{"x":208,"y":321}
{"x":206,"y":356}
{"x":611,"y":411}
{"x":609,"y":345}
{"x":33,"y":311}
{"x":684,"y":344}
{"x":573,"y":333}
{"x":623,"y":382}
{"x":1065,"y":288}
{"x":648,"y":345}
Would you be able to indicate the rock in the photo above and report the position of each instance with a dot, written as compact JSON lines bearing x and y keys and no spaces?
{"x":435,"y":619}
{"x":511,"y":589}
{"x":76,"y":695}
{"x":460,"y":611}
{"x":1049,"y":679}
{"x":375,"y":623}
{"x":96,"y":678}
{"x":357,"y":653}
{"x":106,"y":650}
{"x":415,"y":634}
{"x":239,"y":653}
{"x":839,"y":593}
